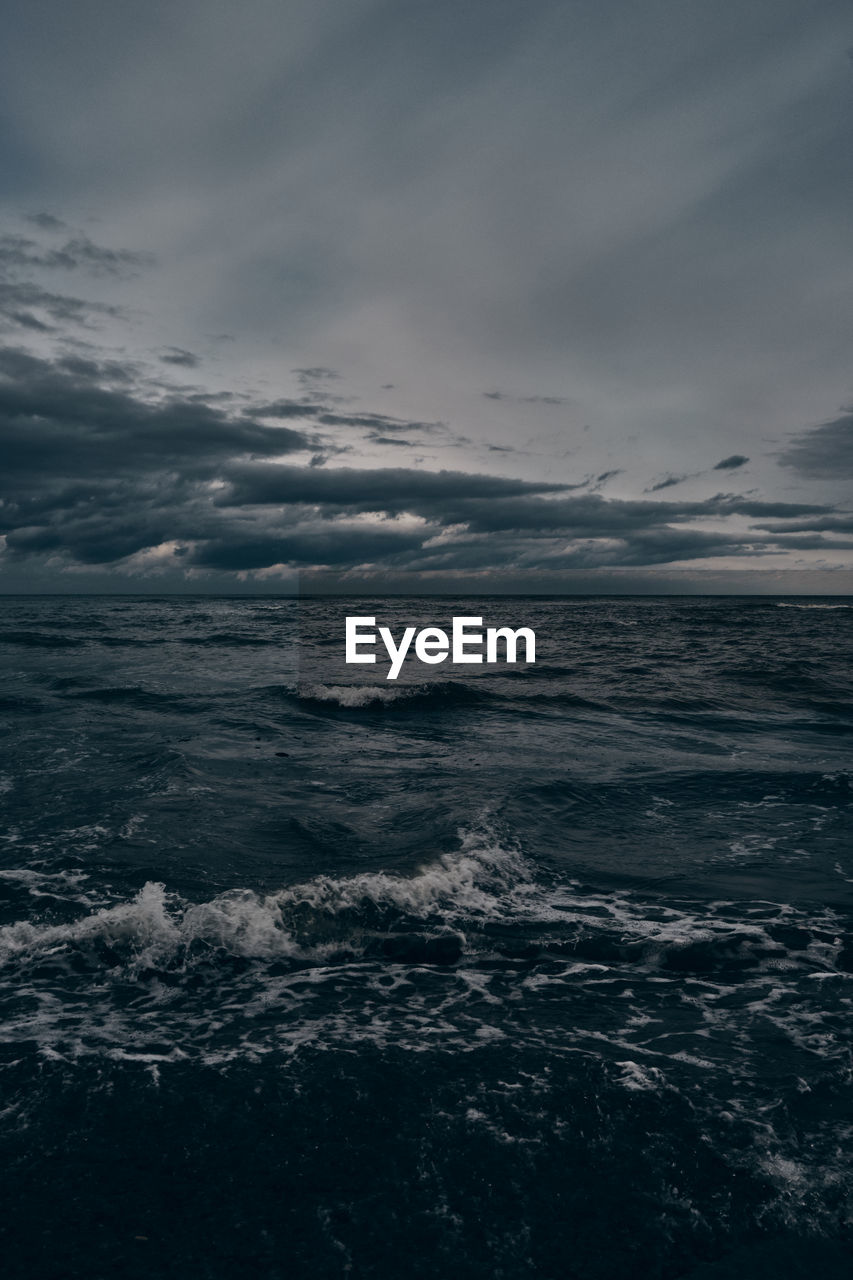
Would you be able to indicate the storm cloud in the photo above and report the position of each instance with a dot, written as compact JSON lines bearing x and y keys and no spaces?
{"x":398,"y":289}
{"x":76,"y":254}
{"x":825,"y":452}
{"x":102,"y":471}
{"x":733,"y":463}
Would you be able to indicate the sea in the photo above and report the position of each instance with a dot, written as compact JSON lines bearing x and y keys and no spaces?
{"x":497,"y":971}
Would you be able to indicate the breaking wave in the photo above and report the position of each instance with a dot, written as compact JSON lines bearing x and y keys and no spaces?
{"x":481,"y":904}
{"x":667,"y":1006}
{"x":307,"y":922}
{"x":357,"y":697}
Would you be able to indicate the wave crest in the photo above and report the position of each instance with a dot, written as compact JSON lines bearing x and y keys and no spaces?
{"x":315,"y":921}
{"x":357,"y":697}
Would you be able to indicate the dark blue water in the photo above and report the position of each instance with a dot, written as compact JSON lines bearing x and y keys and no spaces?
{"x":487,"y":972}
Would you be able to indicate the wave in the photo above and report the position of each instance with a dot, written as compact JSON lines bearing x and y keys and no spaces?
{"x":472,"y":950}
{"x":316,"y":921}
{"x":481,"y":901}
{"x":374,"y":697}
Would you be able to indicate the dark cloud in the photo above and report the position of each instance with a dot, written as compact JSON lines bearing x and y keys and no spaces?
{"x":725,"y":504}
{"x":379,"y":428}
{"x":824,"y":452}
{"x":537,"y":399}
{"x":177,"y":355}
{"x":100,"y":371}
{"x":727,"y":464}
{"x":287,"y":409}
{"x":730,"y":464}
{"x":67,"y":420}
{"x":26,"y":320}
{"x":666,"y":483}
{"x":391,"y":489}
{"x":46,"y":221}
{"x":77,"y":254}
{"x":317,"y":373}
{"x":22,"y":301}
{"x":333,"y":547}
{"x":811,"y":542}
{"x":315,"y":382}
{"x":821,"y":524}
{"x":27,"y":304}
{"x":624,"y":531}
{"x":104,"y":468}
{"x":517,"y":208}
{"x":593,"y":516}
{"x":378,"y":422}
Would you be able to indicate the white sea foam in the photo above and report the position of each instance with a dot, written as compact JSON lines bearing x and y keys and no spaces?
{"x":355,"y":696}
{"x":483,"y":883}
{"x":144,"y":921}
{"x":314,"y":970}
{"x":67,"y":885}
{"x":468,"y":882}
{"x":158,"y":926}
{"x":640,"y":1079}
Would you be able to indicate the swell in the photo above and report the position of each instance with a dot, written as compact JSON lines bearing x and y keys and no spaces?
{"x":689,"y":789}
{"x":136,"y":697}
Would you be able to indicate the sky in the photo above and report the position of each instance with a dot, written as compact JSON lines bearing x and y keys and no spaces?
{"x":490,"y":295}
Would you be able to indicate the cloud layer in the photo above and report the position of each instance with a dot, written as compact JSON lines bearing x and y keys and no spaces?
{"x":105,"y":469}
{"x":441,"y":291}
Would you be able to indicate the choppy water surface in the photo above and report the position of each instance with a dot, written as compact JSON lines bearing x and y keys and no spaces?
{"x":488,"y":971}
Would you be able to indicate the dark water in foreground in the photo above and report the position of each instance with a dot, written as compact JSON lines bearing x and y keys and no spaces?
{"x":484,"y":973}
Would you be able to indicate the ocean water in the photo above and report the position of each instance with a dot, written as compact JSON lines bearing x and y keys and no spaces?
{"x":532,"y":971}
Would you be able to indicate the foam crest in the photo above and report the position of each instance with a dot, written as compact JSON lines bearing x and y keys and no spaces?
{"x":354,"y":696}
{"x":357,"y":697}
{"x":158,"y":928}
{"x":639,"y":1078}
{"x":241,"y":923}
{"x":46,"y":884}
{"x":145,"y":923}
{"x":304,"y":922}
{"x":469,"y":882}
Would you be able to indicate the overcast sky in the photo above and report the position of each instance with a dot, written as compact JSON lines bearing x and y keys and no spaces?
{"x":547,"y":294}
